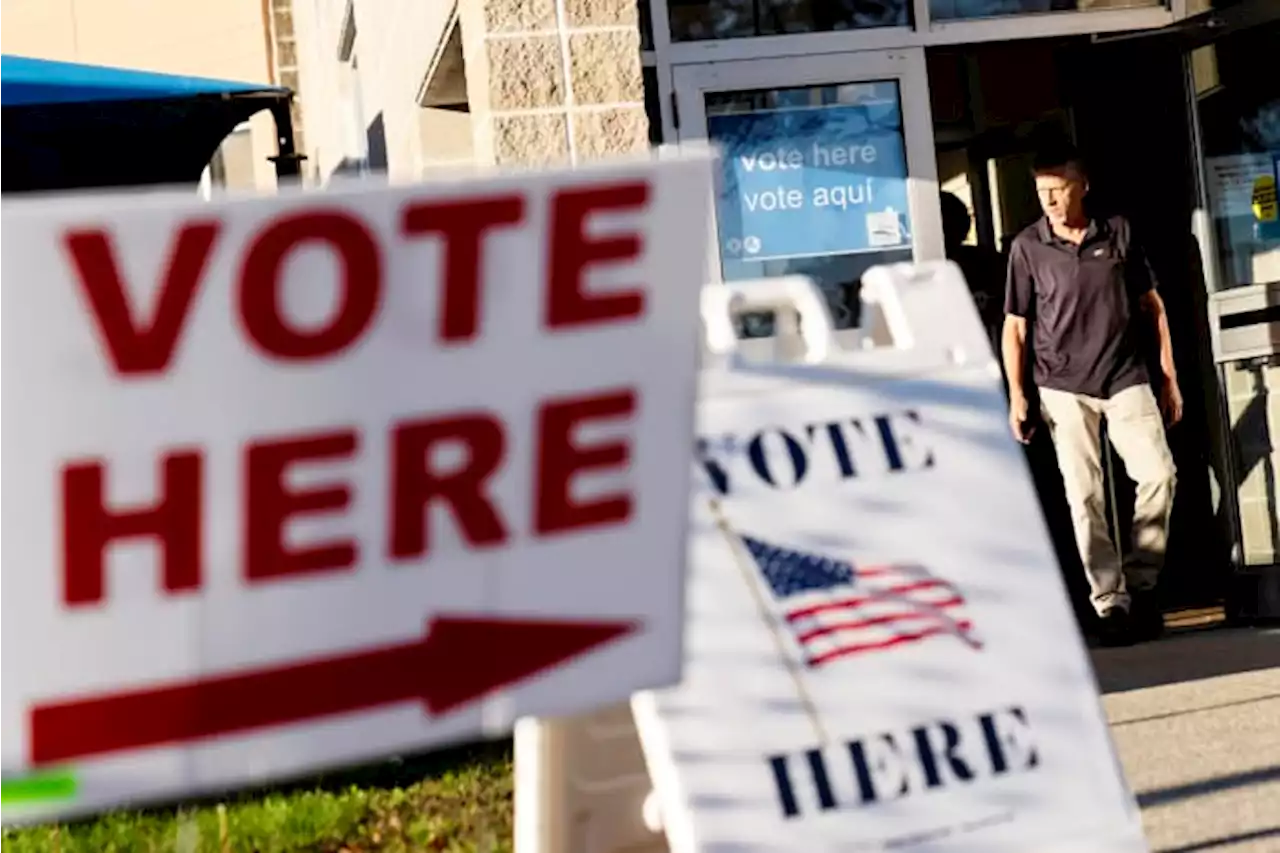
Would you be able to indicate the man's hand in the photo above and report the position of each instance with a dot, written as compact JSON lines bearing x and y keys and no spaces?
{"x":1171,"y":402}
{"x":1020,"y":418}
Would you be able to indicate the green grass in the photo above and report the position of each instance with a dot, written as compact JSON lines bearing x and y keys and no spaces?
{"x":455,"y":801}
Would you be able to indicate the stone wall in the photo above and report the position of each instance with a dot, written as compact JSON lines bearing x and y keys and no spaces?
{"x":550,"y":83}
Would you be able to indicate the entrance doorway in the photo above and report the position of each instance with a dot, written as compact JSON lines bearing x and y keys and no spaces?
{"x":1126,"y":108}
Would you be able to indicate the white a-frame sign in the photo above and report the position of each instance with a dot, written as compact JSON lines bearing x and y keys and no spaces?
{"x":880,"y":654}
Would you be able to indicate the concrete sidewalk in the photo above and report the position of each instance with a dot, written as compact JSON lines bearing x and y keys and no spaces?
{"x":1196,"y":720}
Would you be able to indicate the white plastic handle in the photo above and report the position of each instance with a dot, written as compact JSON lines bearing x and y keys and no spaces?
{"x":928,"y":311}
{"x":721,"y":303}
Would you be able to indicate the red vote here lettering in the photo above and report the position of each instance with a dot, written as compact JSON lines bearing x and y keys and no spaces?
{"x":354,"y":249}
{"x":136,"y":345}
{"x":88,"y":525}
{"x":270,"y":504}
{"x":133,"y":345}
{"x":463,"y":225}
{"x":416,"y":481}
{"x":561,"y":458}
{"x":416,"y":485}
{"x":573,"y":252}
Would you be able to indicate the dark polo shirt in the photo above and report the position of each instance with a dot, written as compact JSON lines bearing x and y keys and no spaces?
{"x":1081,"y":305}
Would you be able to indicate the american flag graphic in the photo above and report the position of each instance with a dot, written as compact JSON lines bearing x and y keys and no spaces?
{"x":835,"y":610}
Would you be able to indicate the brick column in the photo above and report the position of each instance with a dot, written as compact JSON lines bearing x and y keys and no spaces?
{"x":553,"y":81}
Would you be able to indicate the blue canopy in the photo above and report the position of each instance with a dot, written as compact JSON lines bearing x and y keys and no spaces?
{"x":25,"y":81}
{"x":70,"y":126}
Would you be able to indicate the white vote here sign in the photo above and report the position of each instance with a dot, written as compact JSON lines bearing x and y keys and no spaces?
{"x":297,"y":481}
{"x":880,"y":655}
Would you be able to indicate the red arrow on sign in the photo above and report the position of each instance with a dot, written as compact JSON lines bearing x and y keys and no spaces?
{"x":458,"y":660}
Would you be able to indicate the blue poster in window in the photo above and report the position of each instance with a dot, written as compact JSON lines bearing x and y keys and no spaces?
{"x":805,"y":181}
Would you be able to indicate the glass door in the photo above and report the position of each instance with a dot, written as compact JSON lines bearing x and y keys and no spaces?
{"x":827,"y":168}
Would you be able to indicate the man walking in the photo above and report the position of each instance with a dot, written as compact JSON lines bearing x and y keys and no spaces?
{"x":1086,"y":289}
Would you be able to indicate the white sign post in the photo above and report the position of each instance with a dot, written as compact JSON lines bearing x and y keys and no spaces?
{"x":880,"y":654}
{"x":300,"y":481}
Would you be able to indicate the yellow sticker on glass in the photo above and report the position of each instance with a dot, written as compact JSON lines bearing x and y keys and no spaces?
{"x":1265,"y":207}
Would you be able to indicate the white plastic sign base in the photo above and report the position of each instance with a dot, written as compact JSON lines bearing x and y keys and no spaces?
{"x":880,"y":654}
{"x":301,"y":481}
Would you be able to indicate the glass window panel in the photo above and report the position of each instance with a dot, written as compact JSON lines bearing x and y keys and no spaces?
{"x":950,"y":10}
{"x":812,"y":181}
{"x":1239,"y":107}
{"x":696,"y":20}
{"x":1240,"y":125}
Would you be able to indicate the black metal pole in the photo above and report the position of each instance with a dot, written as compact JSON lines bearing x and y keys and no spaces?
{"x":288,"y":161}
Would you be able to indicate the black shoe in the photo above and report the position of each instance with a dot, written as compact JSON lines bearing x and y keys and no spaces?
{"x":1146,"y":617}
{"x":1114,"y":627}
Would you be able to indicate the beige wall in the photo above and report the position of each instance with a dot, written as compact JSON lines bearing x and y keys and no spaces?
{"x":395,"y":40}
{"x":226,"y":39}
{"x":315,"y":26}
{"x":444,"y":139}
{"x":525,"y":104}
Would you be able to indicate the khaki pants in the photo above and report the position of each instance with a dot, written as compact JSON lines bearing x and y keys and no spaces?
{"x":1136,"y":429}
